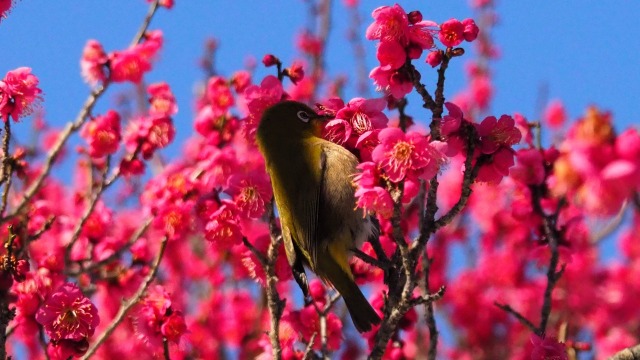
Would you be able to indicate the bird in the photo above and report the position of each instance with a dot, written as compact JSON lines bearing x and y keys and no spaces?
{"x":312,"y":186}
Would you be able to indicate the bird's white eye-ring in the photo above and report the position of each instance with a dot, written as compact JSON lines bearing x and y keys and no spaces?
{"x":302,"y":115}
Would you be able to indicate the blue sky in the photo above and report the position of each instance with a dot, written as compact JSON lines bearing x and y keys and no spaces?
{"x":584,"y":52}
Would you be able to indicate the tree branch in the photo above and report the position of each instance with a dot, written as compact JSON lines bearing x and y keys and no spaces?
{"x":630,"y":353}
{"x":128,"y":304}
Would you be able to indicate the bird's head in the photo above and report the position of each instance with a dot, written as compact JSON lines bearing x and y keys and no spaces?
{"x":290,"y":119}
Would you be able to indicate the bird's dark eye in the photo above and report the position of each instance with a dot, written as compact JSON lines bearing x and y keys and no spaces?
{"x":304,"y":116}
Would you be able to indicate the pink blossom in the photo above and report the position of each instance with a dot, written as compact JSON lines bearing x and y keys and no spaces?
{"x":547,"y":348}
{"x":165,"y":3}
{"x":470,"y":29}
{"x":390,"y":24}
{"x":251,"y":192}
{"x":295,"y":72}
{"x":393,"y":82}
{"x":162,"y":101}
{"x":223,"y":228}
{"x":555,"y":114}
{"x":128,"y":65}
{"x":357,"y":117}
{"x":68,"y":315}
{"x":434,"y":58}
{"x":219,"y":95}
{"x":174,"y":326}
{"x":25,"y":94}
{"x":529,"y":168}
{"x":496,"y":133}
{"x":258,"y":99}
{"x":375,"y":199}
{"x":5,"y":5}
{"x":368,"y":176}
{"x":103,"y":134}
{"x":149,"y":134}
{"x":269,"y":60}
{"x":240,"y":80}
{"x":93,"y":62}
{"x":309,"y":44}
{"x":498,"y":166}
{"x":338,"y":131}
{"x":451,"y":33}
{"x":399,"y":154}
{"x":391,"y":55}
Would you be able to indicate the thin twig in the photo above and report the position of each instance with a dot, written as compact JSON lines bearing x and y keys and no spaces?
{"x":274,"y":302}
{"x":145,"y":24}
{"x":308,"y":352}
{"x":6,"y":139}
{"x":165,"y":346}
{"x":128,"y":304}
{"x":523,"y":320}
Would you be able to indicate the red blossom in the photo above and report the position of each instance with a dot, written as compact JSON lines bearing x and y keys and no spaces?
{"x":19,"y":93}
{"x":93,"y":62}
{"x":162,"y":102}
{"x":547,"y":348}
{"x":103,"y":134}
{"x":451,"y":33}
{"x":496,"y":133}
{"x":400,"y":154}
{"x":68,"y":315}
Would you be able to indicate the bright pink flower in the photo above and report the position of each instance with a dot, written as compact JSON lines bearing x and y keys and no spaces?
{"x":338,"y":131}
{"x":309,"y":44}
{"x":498,"y":167}
{"x":555,"y":114}
{"x":5,"y":106}
{"x":529,"y":169}
{"x":219,"y":95}
{"x":399,"y":154}
{"x":391,"y":81}
{"x":451,"y":33}
{"x":5,"y":5}
{"x":174,"y":327}
{"x":434,"y":58}
{"x":174,"y":219}
{"x":391,"y":55}
{"x":368,"y":176}
{"x":375,"y":199}
{"x":93,"y":62}
{"x":390,"y":24}
{"x":128,"y":65}
{"x":152,"y":43}
{"x":150,"y":134}
{"x":162,"y":101}
{"x":296,"y":72}
{"x":363,"y":115}
{"x":223,"y":228}
{"x":103,"y":134}
{"x":166,"y":3}
{"x":258,"y":99}
{"x":470,"y":29}
{"x":251,"y":192}
{"x":421,"y":34}
{"x":269,"y":60}
{"x":240,"y":80}
{"x":496,"y":133}
{"x":547,"y":348}
{"x":68,"y":314}
{"x":22,"y":85}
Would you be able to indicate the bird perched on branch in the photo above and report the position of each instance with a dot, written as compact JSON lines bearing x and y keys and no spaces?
{"x":312,"y":186}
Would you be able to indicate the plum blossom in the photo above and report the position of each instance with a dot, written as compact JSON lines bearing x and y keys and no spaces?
{"x":401,"y":154}
{"x":103,"y":134}
{"x":19,"y":93}
{"x":68,"y":315}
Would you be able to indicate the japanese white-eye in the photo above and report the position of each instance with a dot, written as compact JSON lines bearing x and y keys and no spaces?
{"x":312,"y":186}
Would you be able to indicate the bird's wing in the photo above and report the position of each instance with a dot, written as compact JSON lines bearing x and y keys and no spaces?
{"x":336,"y":221}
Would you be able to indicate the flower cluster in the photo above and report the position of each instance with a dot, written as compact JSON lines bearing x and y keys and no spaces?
{"x":69,"y":319}
{"x":19,"y":94}
{"x":120,"y":66}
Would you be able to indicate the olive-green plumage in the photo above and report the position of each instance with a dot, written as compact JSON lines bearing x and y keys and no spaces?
{"x":312,"y":186}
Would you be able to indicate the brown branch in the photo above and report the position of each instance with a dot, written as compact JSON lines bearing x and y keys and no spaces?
{"x":523,"y":320}
{"x":128,"y":304}
{"x":274,"y":302}
{"x":630,"y":353}
{"x":145,"y":23}
{"x":165,"y":346}
{"x":6,"y":139}
{"x":308,"y":352}
{"x":134,"y":237}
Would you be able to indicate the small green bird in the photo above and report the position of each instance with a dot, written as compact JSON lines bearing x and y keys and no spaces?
{"x":312,"y":186}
